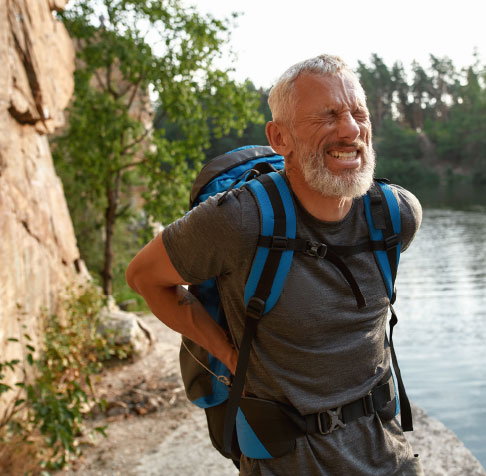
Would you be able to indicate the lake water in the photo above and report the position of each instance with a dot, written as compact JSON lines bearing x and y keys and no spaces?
{"x":441,"y":335}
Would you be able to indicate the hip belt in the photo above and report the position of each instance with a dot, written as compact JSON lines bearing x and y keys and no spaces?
{"x":267,"y":429}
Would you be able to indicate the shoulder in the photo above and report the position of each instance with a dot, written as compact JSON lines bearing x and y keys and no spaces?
{"x":410,"y":213}
{"x":212,"y":238}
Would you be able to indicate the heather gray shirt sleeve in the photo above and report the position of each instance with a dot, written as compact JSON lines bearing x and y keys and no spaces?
{"x":410,"y":213}
{"x":211,"y":240}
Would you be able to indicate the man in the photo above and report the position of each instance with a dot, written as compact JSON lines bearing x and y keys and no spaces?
{"x":314,"y":350}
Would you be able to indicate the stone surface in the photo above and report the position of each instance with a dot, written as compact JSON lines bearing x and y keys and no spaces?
{"x":127,"y":329}
{"x":38,"y":252}
{"x":441,"y":452}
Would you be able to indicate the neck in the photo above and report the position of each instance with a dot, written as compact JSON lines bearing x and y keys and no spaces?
{"x":320,"y":206}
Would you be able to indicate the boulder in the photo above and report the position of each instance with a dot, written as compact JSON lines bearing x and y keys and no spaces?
{"x":441,"y":451}
{"x":126,"y":327}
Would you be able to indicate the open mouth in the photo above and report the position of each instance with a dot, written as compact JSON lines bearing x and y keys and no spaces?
{"x":344,"y":155}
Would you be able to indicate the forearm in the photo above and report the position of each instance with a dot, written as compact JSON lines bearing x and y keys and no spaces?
{"x":181,"y":311}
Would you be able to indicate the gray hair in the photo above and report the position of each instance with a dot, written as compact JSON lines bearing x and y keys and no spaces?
{"x":281,"y":97}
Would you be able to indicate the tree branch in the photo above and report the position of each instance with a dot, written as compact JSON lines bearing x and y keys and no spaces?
{"x":100,"y":81}
{"x":131,"y":164}
{"x":123,"y":210}
{"x":137,"y":140}
{"x":108,"y":82}
{"x":134,"y":92}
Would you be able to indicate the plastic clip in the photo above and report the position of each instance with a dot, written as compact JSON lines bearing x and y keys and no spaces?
{"x":314,"y":248}
{"x":334,"y":416}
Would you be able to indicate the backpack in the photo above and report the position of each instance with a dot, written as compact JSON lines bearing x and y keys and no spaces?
{"x":236,"y":423}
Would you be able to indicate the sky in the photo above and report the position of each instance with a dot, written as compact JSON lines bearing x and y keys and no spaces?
{"x":272,"y":35}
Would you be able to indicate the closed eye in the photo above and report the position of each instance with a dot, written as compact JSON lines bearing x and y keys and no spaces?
{"x":360,"y":114}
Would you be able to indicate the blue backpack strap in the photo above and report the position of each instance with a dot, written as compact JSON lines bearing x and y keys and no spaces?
{"x":384,"y":223}
{"x":265,"y":283}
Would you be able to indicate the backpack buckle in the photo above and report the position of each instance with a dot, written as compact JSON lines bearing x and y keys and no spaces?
{"x":279,"y":243}
{"x":332,"y":422}
{"x":255,"y":307}
{"x":392,"y":242}
{"x":314,"y":248}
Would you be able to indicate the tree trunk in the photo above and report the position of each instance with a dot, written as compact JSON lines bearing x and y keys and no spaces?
{"x":113,"y":197}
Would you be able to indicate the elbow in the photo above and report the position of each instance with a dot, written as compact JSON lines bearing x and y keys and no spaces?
{"x":131,"y":275}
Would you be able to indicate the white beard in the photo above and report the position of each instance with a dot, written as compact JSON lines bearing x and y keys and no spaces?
{"x":351,"y":183}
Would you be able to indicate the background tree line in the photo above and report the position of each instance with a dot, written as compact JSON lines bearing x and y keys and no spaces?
{"x":150,"y":108}
{"x":429,"y":122}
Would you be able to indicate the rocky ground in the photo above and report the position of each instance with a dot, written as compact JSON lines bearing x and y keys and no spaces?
{"x":154,"y":431}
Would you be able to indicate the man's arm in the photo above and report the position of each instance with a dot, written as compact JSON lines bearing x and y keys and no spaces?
{"x":152,"y":275}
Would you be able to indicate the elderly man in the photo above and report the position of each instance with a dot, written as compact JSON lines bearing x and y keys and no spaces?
{"x":314,"y":350}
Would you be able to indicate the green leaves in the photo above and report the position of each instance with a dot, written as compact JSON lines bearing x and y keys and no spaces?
{"x":428,"y":122}
{"x":136,"y":57}
{"x":60,"y":393}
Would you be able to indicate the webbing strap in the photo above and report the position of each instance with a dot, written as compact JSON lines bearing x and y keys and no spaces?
{"x":348,"y":276}
{"x":331,"y":253}
{"x":303,"y":245}
{"x":267,"y":276}
{"x":405,"y":409}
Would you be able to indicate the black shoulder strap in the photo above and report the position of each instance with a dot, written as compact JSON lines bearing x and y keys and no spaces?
{"x":277,"y":216}
{"x":383,"y":216}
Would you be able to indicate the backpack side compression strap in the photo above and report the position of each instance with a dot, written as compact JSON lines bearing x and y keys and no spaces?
{"x":267,"y":277}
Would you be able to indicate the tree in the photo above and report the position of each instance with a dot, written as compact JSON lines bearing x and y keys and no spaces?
{"x":135,"y":56}
{"x":378,"y":84}
{"x":402,"y":95}
{"x":421,"y":95}
{"x":443,"y":76}
{"x":254,"y":134}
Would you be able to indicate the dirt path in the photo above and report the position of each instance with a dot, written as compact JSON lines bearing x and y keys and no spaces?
{"x":154,"y":431}
{"x":152,"y":428}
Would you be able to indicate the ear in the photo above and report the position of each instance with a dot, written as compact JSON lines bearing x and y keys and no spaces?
{"x":279,"y":138}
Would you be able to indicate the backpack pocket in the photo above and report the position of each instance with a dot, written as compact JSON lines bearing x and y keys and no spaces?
{"x":266,"y":429}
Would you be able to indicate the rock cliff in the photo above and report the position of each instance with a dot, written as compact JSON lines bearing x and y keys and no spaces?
{"x":38,"y":252}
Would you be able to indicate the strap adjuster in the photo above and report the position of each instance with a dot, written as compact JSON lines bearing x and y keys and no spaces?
{"x":314,"y":248}
{"x":334,"y":421}
{"x":255,"y":307}
{"x":392,"y":241}
{"x":368,"y":406}
{"x":279,"y":243}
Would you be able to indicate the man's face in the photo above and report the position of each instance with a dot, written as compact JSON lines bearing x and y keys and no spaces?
{"x":332,"y":135}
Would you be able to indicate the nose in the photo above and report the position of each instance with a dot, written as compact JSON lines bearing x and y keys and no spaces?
{"x":348,"y":127}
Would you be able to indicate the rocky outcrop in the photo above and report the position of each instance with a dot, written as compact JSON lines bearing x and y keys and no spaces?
{"x":38,"y":252}
{"x":441,"y":451}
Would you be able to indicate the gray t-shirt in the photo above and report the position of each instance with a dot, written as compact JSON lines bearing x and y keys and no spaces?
{"x":315,"y":349}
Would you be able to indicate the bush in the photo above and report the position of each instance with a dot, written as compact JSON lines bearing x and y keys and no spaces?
{"x":397,"y":142}
{"x":48,"y":412}
{"x":411,"y":174}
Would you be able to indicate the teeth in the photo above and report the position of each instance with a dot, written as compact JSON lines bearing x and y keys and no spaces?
{"x":343,"y":155}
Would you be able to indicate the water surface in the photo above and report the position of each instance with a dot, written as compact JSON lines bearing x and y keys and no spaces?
{"x":441,"y":335}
